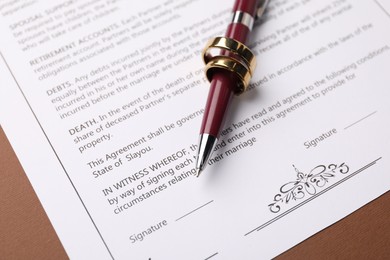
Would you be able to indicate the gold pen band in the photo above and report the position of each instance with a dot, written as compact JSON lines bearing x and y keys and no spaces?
{"x":233,"y":56}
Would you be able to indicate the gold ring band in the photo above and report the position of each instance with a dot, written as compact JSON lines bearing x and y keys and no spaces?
{"x":232,"y":46}
{"x":233,"y":65}
{"x":234,"y":57}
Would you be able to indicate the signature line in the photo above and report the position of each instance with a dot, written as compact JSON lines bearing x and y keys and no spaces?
{"x":194,"y":210}
{"x":211,"y":256}
{"x":360,"y":120}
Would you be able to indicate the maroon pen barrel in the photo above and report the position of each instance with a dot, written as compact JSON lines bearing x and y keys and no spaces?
{"x":247,"y":6}
{"x":239,"y":31}
{"x":224,"y":82}
{"x":217,"y":103}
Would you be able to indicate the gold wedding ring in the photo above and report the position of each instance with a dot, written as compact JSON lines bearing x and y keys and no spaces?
{"x":233,"y":46}
{"x":233,"y":56}
{"x":233,"y":65}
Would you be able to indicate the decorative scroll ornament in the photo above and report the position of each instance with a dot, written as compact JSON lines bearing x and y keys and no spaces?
{"x":306,"y":184}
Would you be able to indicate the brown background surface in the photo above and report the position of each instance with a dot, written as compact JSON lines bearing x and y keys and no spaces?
{"x":26,"y":232}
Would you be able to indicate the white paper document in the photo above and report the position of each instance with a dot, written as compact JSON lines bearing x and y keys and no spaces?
{"x":102,"y":101}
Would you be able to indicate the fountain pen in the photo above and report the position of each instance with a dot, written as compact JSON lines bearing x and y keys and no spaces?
{"x":229,"y":68}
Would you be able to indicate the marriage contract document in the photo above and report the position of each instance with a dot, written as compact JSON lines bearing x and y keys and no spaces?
{"x":102,"y":101}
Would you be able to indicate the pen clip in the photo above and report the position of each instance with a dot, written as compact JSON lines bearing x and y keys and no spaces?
{"x":261,"y":8}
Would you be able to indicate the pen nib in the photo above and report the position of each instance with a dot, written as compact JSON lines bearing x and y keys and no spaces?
{"x":206,"y":147}
{"x":198,"y":171}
